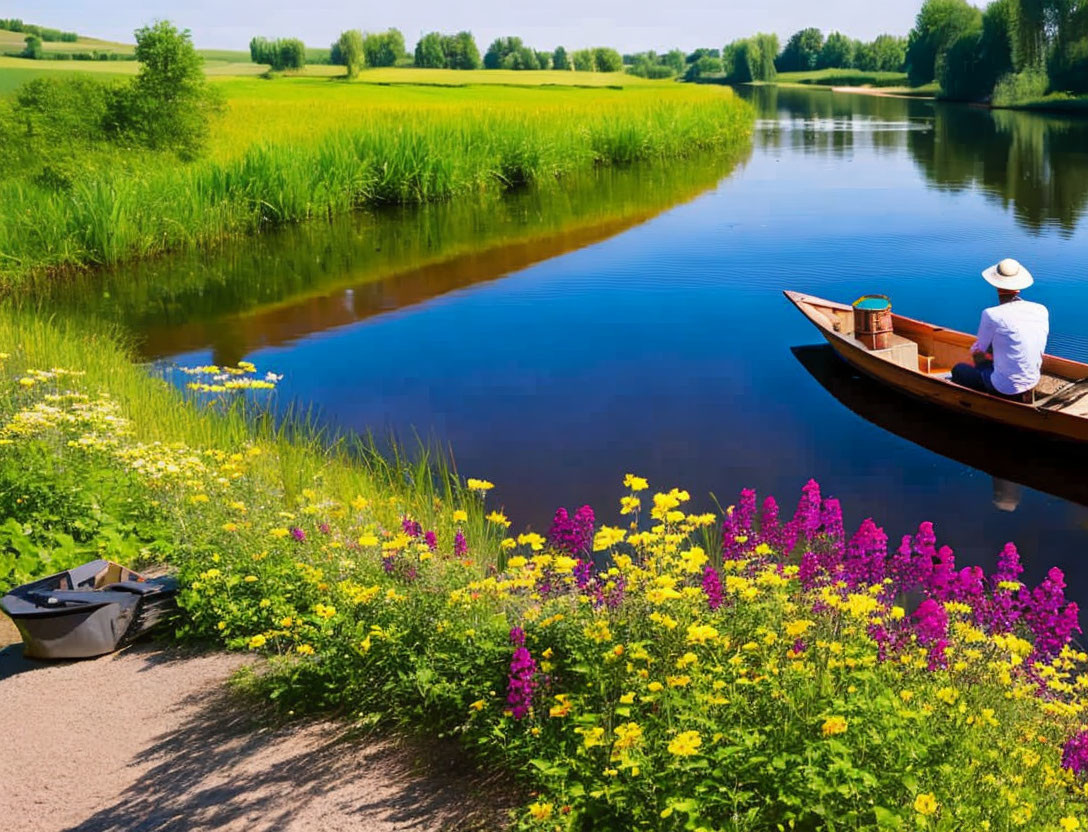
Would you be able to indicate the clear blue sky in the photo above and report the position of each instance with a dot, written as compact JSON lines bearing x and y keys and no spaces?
{"x":629,"y":25}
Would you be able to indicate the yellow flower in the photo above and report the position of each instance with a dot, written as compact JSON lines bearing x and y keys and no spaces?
{"x":250,"y":579}
{"x":635,"y":483}
{"x":701,"y":633}
{"x":540,"y":811}
{"x":628,"y":736}
{"x":833,"y":725}
{"x":655,"y":687}
{"x":279,"y":533}
{"x":607,"y":537}
{"x":478,"y":705}
{"x":685,"y":744}
{"x":460,"y":516}
{"x":629,"y":505}
{"x":305,"y":650}
{"x":591,"y":737}
{"x":678,"y":681}
{"x":359,"y":503}
{"x":563,"y":706}
{"x":498,"y":518}
{"x":796,"y":629}
{"x":1069,"y":824}
{"x":257,"y":642}
{"x":925,"y":804}
{"x":627,"y":698}
{"x":368,"y":540}
{"x":479,"y":485}
{"x":687,"y":659}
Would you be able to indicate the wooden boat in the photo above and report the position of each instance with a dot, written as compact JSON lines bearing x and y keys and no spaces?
{"x":918,"y":361}
{"x":93,"y":609}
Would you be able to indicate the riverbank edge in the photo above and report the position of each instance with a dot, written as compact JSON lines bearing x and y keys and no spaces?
{"x":272,"y":186}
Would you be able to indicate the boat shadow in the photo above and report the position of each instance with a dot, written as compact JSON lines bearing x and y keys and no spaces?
{"x":1012,"y":457}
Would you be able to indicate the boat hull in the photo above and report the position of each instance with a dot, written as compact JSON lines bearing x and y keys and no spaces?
{"x":938,"y":390}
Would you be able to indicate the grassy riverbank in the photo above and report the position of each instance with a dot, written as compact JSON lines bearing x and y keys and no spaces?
{"x":299,"y":148}
{"x":729,"y":671}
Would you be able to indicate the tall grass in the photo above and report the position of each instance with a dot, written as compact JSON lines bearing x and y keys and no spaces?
{"x":478,"y":141}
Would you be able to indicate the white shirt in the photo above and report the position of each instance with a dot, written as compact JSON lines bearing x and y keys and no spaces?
{"x":1015,"y":332}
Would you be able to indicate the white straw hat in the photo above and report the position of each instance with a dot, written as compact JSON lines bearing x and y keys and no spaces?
{"x":1008,"y":274}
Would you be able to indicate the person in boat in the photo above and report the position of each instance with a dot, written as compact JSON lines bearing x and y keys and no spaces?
{"x":1008,"y":353}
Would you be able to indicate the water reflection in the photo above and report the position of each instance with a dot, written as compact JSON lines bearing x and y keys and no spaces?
{"x":1034,"y":163}
{"x":1010,"y":457}
{"x":276,"y":288}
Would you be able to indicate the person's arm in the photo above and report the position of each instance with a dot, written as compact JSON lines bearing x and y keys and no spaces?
{"x":980,"y":350}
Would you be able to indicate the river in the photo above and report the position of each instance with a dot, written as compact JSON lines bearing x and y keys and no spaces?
{"x":557,"y":340}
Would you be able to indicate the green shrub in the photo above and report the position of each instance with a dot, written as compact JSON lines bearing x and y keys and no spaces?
{"x":1020,"y":87}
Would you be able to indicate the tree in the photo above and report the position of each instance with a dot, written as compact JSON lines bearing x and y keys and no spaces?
{"x":169,"y":103}
{"x":939,"y":24}
{"x":766,"y":48}
{"x":981,"y":56}
{"x":838,"y":52}
{"x":349,"y":50}
{"x":383,"y":48}
{"x":499,"y":50}
{"x":543,"y":60}
{"x":33,"y":47}
{"x":560,"y":59}
{"x":887,"y":53}
{"x":674,"y":59}
{"x":462,"y":52}
{"x":703,"y":66}
{"x":584,"y":60}
{"x":431,"y":51}
{"x":607,"y":60}
{"x":290,"y":54}
{"x":802,"y":51}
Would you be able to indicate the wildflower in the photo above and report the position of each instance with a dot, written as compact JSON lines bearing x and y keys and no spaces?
{"x":833,"y":725}
{"x":562,"y":706}
{"x":712,"y":587}
{"x":521,"y":682}
{"x":478,"y":705}
{"x":250,"y":579}
{"x":635,"y":483}
{"x":460,"y":545}
{"x":629,"y":505}
{"x":685,"y":744}
{"x":607,"y":537}
{"x":460,"y":516}
{"x":701,"y":633}
{"x":305,"y":650}
{"x":359,"y":502}
{"x":572,"y":534}
{"x":257,"y":642}
{"x":479,"y":485}
{"x":628,"y":735}
{"x":925,"y":804}
{"x":298,"y":534}
{"x":540,"y":811}
{"x":1069,"y":823}
{"x":1075,"y":753}
{"x":498,"y":518}
{"x":591,"y":737}
{"x":279,"y":534}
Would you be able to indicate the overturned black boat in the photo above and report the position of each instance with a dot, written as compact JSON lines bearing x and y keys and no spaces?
{"x":93,"y":609}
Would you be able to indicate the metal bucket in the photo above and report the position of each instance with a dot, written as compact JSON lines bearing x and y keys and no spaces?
{"x":873,"y":321}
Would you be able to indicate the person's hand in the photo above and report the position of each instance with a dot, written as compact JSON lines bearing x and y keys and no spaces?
{"x":982,"y":358}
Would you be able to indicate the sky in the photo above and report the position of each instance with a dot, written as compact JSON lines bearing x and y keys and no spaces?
{"x":628,"y":25}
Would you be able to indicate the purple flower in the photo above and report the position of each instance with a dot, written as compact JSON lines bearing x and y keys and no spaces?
{"x":583,"y":573}
{"x":460,"y":545}
{"x":1075,"y":753}
{"x":410,"y":527}
{"x":431,"y":539}
{"x":298,"y":534}
{"x":325,"y":528}
{"x":712,"y":587}
{"x":521,"y":682}
{"x":572,"y":534}
{"x":931,"y":627}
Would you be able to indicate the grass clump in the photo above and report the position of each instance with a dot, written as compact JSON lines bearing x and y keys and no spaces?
{"x":671,"y":671}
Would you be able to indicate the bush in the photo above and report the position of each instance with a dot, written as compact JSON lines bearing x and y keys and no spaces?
{"x":584,"y":60}
{"x":560,"y":59}
{"x":280,"y":54}
{"x":33,"y":48}
{"x":168,"y":105}
{"x":1020,"y":87}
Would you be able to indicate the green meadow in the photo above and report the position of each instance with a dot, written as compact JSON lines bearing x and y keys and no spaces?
{"x":303,"y":147}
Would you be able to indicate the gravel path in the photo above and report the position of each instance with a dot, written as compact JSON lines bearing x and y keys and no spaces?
{"x":149,"y":739}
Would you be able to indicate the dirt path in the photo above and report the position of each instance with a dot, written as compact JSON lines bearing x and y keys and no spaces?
{"x":149,"y":739}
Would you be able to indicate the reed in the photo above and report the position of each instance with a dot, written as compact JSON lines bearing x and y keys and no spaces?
{"x":361,"y":146}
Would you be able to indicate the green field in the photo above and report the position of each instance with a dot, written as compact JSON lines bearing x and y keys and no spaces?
{"x":892,"y":82}
{"x":302,"y":146}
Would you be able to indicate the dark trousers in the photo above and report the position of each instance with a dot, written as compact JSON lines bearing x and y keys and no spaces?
{"x":977,"y":377}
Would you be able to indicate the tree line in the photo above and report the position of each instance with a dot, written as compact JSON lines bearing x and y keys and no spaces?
{"x":14,"y":24}
{"x":1011,"y":51}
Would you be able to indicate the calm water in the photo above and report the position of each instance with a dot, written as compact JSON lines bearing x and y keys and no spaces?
{"x":559,"y":340}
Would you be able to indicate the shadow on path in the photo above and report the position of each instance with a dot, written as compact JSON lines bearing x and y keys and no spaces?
{"x":220,"y":769}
